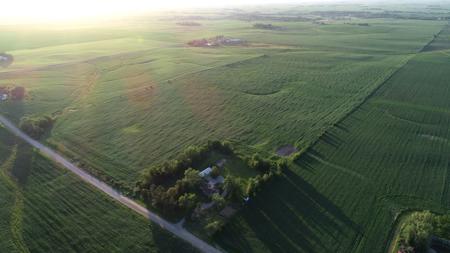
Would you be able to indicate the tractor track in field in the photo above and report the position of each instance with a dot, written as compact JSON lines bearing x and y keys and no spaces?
{"x":173,"y":228}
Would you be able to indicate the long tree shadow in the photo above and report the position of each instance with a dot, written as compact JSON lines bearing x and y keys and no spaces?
{"x":331,"y":139}
{"x":290,"y":215}
{"x":166,"y":242}
{"x":23,"y":162}
{"x":308,"y":159}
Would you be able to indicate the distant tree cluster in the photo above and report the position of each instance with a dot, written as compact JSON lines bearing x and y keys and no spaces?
{"x":36,"y":127}
{"x":416,"y":232}
{"x":358,"y":24}
{"x":189,"y":23}
{"x":266,"y":26}
{"x":216,"y":41}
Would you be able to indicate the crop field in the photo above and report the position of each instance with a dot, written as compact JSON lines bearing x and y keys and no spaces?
{"x":130,"y":95}
{"x":389,"y":156}
{"x":125,"y":104}
{"x":46,"y":209}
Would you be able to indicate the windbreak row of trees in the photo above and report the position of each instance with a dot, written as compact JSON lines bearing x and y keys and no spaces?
{"x":268,"y":168}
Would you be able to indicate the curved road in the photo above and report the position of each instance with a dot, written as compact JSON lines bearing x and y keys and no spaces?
{"x":175,"y":229}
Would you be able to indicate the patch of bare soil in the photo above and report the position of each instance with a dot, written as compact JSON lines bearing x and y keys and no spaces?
{"x":286,"y":150}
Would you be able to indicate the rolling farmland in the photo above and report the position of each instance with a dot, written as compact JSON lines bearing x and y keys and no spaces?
{"x":390,"y":155}
{"x":365,"y":99}
{"x":127,"y":111}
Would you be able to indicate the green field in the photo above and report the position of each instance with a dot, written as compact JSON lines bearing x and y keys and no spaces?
{"x":125,"y":112}
{"x":46,"y":209}
{"x":344,"y":194}
{"x":371,"y":99}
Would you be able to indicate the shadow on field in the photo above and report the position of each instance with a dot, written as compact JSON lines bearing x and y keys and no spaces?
{"x":290,"y":215}
{"x":166,"y":242}
{"x":23,"y":162}
{"x":307,"y":159}
{"x":331,"y":139}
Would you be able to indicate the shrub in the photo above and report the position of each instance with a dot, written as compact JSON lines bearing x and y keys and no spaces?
{"x":215,"y":172}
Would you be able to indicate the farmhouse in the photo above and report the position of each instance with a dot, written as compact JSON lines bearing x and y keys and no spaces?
{"x":211,"y":184}
{"x":205,"y":172}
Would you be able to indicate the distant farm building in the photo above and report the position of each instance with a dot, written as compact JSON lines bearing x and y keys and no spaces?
{"x":216,"y":41}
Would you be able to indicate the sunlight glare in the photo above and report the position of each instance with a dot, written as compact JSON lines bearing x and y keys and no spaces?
{"x":58,"y":10}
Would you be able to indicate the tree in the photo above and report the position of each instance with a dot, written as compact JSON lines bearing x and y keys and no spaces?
{"x":232,"y":187}
{"x":192,"y":179}
{"x":36,"y":127}
{"x":219,"y":201}
{"x":18,"y":93}
{"x":417,"y":230}
{"x":187,"y":201}
{"x":256,"y":162}
{"x":215,"y":172}
{"x":213,"y":227}
{"x":443,"y":226}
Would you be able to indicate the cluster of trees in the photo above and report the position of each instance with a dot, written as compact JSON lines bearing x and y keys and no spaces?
{"x":417,"y":230}
{"x":172,"y":170}
{"x":269,"y":170}
{"x":36,"y":127}
{"x":266,"y":26}
{"x":16,"y":93}
{"x":359,"y":24}
{"x":182,"y":196}
{"x":216,"y":41}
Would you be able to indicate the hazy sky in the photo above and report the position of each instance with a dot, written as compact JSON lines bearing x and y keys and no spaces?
{"x":71,"y":9}
{"x":50,"y":10}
